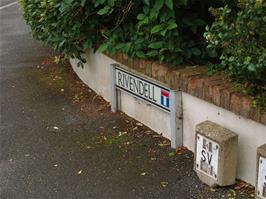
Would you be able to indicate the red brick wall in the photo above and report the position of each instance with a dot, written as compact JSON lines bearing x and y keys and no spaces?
{"x":216,"y":89}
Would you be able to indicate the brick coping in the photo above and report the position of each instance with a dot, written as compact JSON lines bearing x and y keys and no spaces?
{"x":216,"y":89}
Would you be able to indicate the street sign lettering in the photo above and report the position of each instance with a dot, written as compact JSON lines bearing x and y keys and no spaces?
{"x":203,"y":157}
{"x":207,"y":156}
{"x":143,"y":89}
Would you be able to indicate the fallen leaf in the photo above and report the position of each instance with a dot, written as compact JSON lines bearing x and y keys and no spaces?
{"x":55,"y":128}
{"x":164,"y":184}
{"x":163,"y":144}
{"x":139,"y":124}
{"x":122,"y":133}
{"x":147,"y":132}
{"x":171,"y":154}
{"x":143,"y":174}
{"x":79,"y":172}
{"x":156,"y":136}
{"x":27,"y":155}
{"x":56,"y":165}
{"x":212,"y":189}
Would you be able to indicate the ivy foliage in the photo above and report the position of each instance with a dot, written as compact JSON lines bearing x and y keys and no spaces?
{"x":164,"y":30}
{"x":238,"y":34}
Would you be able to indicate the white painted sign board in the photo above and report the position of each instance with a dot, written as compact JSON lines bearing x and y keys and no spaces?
{"x":141,"y":88}
{"x":207,"y":156}
{"x":261,"y":186}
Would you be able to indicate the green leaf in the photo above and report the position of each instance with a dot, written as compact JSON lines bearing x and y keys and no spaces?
{"x":98,"y":2}
{"x":178,"y":60}
{"x":152,"y":53}
{"x":199,"y":22}
{"x":156,"y":29}
{"x":231,"y":59}
{"x":183,"y":2}
{"x":140,"y":16}
{"x":104,"y":10}
{"x":156,"y":45}
{"x":111,"y":2}
{"x":140,"y":54}
{"x":163,"y":32}
{"x":195,"y":51}
{"x":212,"y":53}
{"x":61,"y":43}
{"x":156,"y":8}
{"x":87,"y":44}
{"x":161,"y":58}
{"x":147,"y":2}
{"x":83,"y":3}
{"x":103,"y":47}
{"x":171,"y":154}
{"x":68,"y":1}
{"x":171,"y":25}
{"x":252,"y":67}
{"x":169,"y":4}
{"x":158,"y":4}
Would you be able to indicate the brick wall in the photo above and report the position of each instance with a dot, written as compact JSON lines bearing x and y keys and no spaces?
{"x":216,"y":89}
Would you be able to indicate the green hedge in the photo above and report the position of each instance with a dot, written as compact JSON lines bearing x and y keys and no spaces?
{"x":239,"y":35}
{"x":159,"y":29}
{"x":164,"y":30}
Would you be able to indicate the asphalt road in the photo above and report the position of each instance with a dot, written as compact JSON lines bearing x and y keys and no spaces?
{"x":60,"y":146}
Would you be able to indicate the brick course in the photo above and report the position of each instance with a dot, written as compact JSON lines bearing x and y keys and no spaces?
{"x":195,"y":81}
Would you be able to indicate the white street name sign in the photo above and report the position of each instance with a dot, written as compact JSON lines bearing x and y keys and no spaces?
{"x":143,"y":89}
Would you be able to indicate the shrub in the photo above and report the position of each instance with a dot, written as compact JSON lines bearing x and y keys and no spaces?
{"x":69,"y":26}
{"x":164,"y":30}
{"x":239,"y":36}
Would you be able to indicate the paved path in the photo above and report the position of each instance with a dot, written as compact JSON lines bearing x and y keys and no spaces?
{"x":59,"y":140}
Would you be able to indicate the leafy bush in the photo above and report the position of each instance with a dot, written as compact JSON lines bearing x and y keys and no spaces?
{"x":165,"y":30}
{"x":239,"y":35}
{"x":69,"y":26}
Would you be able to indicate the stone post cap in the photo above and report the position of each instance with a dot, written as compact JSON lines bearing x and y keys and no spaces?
{"x":262,"y":150}
{"x":214,"y":131}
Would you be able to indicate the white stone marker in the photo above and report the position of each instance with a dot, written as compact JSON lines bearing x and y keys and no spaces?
{"x":215,"y":154}
{"x":261,"y":172}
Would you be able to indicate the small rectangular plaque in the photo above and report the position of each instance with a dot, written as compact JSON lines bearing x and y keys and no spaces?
{"x":207,"y":156}
{"x":261,"y":186}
